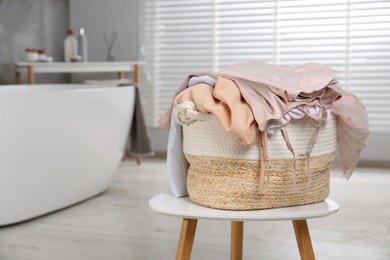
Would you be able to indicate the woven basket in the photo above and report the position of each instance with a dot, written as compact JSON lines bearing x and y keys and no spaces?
{"x":224,"y":174}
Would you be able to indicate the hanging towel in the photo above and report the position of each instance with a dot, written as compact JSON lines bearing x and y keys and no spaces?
{"x":138,"y":143}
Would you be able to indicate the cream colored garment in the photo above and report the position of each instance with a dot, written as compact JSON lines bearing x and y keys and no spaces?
{"x":226,"y":103}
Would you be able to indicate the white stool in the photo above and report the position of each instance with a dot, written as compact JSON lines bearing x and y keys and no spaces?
{"x":168,"y":204}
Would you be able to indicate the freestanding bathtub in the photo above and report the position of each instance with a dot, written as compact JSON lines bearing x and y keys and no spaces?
{"x":59,"y":145}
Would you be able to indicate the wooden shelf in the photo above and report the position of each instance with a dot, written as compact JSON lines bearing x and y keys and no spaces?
{"x":76,"y":67}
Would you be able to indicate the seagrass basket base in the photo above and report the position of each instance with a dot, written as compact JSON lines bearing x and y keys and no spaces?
{"x":233,"y":184}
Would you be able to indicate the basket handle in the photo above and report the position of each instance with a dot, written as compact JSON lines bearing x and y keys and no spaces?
{"x":185,"y":113}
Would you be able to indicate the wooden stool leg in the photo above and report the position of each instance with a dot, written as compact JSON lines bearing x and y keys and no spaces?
{"x":186,"y":239}
{"x":303,"y":239}
{"x":138,"y":159}
{"x":30,"y":74}
{"x":18,"y":78}
{"x":236,"y":240}
{"x":137,"y":82}
{"x":121,"y":75}
{"x":137,"y":79}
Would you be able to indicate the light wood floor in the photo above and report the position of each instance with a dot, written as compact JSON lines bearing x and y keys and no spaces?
{"x":118,"y":225}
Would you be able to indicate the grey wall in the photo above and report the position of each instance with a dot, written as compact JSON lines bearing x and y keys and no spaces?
{"x":98,"y":16}
{"x":35,"y":24}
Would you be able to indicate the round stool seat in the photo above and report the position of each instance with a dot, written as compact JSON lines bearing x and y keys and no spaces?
{"x":166,"y":203}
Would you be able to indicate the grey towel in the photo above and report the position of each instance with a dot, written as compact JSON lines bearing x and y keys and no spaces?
{"x":138,"y":143}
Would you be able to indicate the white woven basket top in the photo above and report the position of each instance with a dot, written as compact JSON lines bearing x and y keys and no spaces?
{"x":209,"y":138}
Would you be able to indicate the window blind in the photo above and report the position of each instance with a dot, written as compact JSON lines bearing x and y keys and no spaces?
{"x":179,"y":39}
{"x":369,"y":60}
{"x":313,"y":31}
{"x":351,"y":36}
{"x":244,"y":30}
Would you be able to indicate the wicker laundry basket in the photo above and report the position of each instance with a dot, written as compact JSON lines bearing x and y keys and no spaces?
{"x":224,"y":174}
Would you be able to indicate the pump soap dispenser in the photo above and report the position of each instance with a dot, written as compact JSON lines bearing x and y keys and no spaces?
{"x":83,"y":46}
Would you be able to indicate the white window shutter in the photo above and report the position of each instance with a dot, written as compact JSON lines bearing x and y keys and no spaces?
{"x":369,"y":60}
{"x":244,"y":30}
{"x":183,"y":43}
{"x":313,"y":31}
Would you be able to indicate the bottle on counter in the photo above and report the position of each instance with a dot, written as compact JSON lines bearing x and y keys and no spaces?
{"x":70,"y":46}
{"x":83,"y":46}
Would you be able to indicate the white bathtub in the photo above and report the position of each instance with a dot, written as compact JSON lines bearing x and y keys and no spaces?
{"x":59,"y":145}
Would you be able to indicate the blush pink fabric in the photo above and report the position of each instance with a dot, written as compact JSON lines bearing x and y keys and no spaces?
{"x":274,"y":90}
{"x":290,"y":80}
